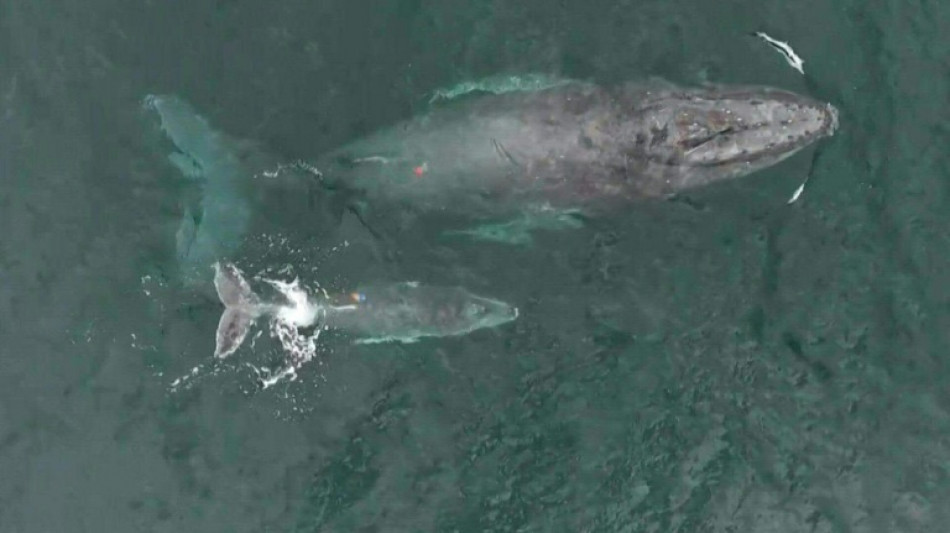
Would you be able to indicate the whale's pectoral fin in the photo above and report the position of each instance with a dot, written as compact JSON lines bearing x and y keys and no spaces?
{"x":519,"y":230}
{"x":232,"y":328}
{"x":500,"y":84}
{"x":506,"y":233}
{"x":685,"y":200}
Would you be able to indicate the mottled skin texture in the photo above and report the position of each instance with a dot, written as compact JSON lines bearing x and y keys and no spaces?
{"x":382,"y":312}
{"x":578,"y":145}
{"x":411,"y":310}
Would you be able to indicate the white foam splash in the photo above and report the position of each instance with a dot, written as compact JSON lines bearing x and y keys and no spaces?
{"x":290,"y":323}
{"x":301,"y":311}
{"x":286,"y":324}
{"x":188,"y":380}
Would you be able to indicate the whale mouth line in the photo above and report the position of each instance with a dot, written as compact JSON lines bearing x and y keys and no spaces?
{"x":693,"y":144}
{"x":714,"y":138}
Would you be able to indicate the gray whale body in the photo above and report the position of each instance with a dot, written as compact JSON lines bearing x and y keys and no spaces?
{"x":578,"y":145}
{"x":573,"y":147}
{"x":402,"y":312}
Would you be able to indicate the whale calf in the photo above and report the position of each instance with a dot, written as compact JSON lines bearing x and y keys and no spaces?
{"x":382,"y":312}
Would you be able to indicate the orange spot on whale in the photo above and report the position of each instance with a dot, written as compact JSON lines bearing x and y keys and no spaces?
{"x":420,"y":170}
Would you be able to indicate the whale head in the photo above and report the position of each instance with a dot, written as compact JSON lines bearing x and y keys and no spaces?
{"x":690,"y":138}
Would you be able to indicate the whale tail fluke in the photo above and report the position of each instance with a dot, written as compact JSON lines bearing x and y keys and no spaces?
{"x":241,"y":308}
{"x":218,"y":212}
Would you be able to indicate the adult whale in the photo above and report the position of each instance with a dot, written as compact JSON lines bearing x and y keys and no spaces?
{"x":571,"y":146}
{"x":578,"y":145}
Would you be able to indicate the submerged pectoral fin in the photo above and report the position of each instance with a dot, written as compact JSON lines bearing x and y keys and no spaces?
{"x":500,"y":84}
{"x":511,"y":232}
{"x":518,"y":231}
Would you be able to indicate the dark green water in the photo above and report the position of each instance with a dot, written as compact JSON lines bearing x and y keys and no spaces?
{"x":741,"y":366}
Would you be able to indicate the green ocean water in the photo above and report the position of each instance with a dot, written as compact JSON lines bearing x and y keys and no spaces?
{"x":734,"y":364}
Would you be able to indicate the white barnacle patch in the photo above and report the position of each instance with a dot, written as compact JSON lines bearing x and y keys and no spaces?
{"x":783,"y":48}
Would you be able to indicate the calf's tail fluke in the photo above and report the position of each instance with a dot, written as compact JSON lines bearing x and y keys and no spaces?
{"x":241,"y":308}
